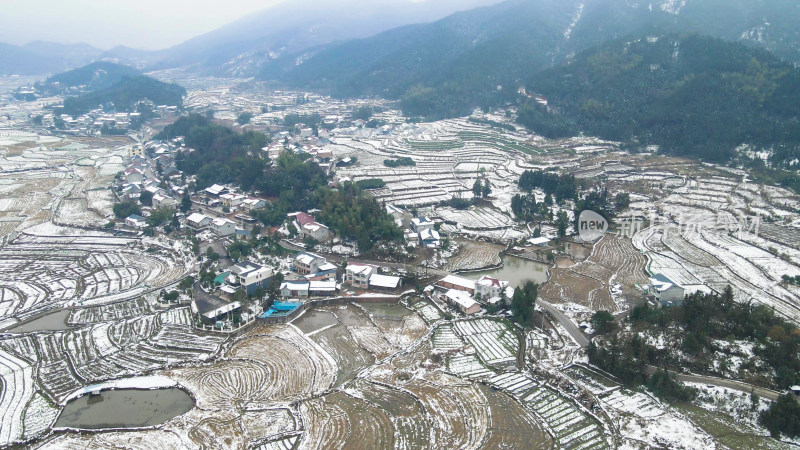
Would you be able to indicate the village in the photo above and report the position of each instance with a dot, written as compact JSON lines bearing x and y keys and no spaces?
{"x":120,"y":273}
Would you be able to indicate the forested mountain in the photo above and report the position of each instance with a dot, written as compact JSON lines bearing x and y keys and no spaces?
{"x":292,"y":27}
{"x":125,"y":94}
{"x":480,"y":57}
{"x":97,"y":75}
{"x":692,"y":95}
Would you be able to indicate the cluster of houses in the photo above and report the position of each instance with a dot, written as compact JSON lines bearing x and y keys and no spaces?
{"x":468,"y":295}
{"x":418,"y":230}
{"x":98,"y":121}
{"x":310,"y":276}
{"x":157,"y":176}
{"x":321,"y":156}
{"x":315,"y":276}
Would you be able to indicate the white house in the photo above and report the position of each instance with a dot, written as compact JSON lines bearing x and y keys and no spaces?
{"x":198,"y":221}
{"x":487,"y":287}
{"x":421,"y":223}
{"x":665,"y":291}
{"x":388,"y":283}
{"x":252,"y":203}
{"x":223,"y":227}
{"x":463,"y":301}
{"x":164,"y":201}
{"x":317,"y":231}
{"x":295,"y":289}
{"x":401,"y":217}
{"x":133,"y":175}
{"x":131,"y":191}
{"x":251,"y":275}
{"x":215,"y":190}
{"x":307,"y":226}
{"x":322,"y":288}
{"x":307,"y":263}
{"x":135,"y":221}
{"x":155,"y":189}
{"x":358,"y":275}
{"x":430,"y":238}
{"x":232,"y":200}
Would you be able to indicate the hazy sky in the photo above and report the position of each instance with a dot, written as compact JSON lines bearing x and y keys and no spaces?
{"x":143,"y":24}
{"x":147,"y":24}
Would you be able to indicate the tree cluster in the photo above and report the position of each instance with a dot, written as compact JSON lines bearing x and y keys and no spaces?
{"x":561,"y":187}
{"x":126,"y":208}
{"x":481,"y":188}
{"x":400,"y":162}
{"x":706,"y":318}
{"x":782,"y":417}
{"x":523,"y":303}
{"x":217,"y":154}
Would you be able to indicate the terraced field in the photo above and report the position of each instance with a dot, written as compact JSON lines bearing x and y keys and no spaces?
{"x":572,"y":428}
{"x":38,"y":273}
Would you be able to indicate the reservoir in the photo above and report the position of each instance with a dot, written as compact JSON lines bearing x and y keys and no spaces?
{"x":125,"y":408}
{"x":515,"y":270}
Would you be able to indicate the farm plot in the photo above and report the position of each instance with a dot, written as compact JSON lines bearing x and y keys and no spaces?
{"x":401,"y":333}
{"x":512,"y":426}
{"x":72,"y":359}
{"x":515,"y":384}
{"x":292,"y":367}
{"x":140,"y":440}
{"x":567,"y":286}
{"x":341,"y":421}
{"x":232,"y":384}
{"x":264,"y":424}
{"x":468,"y":366}
{"x":473,"y":255}
{"x":494,"y":342}
{"x":39,"y":415}
{"x":43,"y":272}
{"x":477,"y":219}
{"x":569,"y":425}
{"x":444,"y":338}
{"x":428,"y":312}
{"x":595,"y":383}
{"x":106,"y":313}
{"x":614,"y":258}
{"x":459,"y":410}
{"x":403,"y":410}
{"x":642,"y":419}
{"x":16,"y":381}
{"x":373,"y":340}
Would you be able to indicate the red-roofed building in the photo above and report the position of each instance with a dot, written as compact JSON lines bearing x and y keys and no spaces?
{"x":487,"y":287}
{"x":307,"y":226}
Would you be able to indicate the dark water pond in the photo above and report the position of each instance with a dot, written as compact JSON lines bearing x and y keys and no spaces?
{"x":125,"y":408}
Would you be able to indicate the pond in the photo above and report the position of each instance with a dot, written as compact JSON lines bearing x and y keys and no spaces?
{"x":515,"y":270}
{"x":56,"y":321}
{"x":314,"y":320}
{"x":125,"y":408}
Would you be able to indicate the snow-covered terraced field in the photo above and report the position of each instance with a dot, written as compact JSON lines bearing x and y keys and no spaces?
{"x":468,"y":366}
{"x":42,"y":272}
{"x":571,"y":427}
{"x":428,"y":312}
{"x":444,"y":338}
{"x":494,"y":342}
